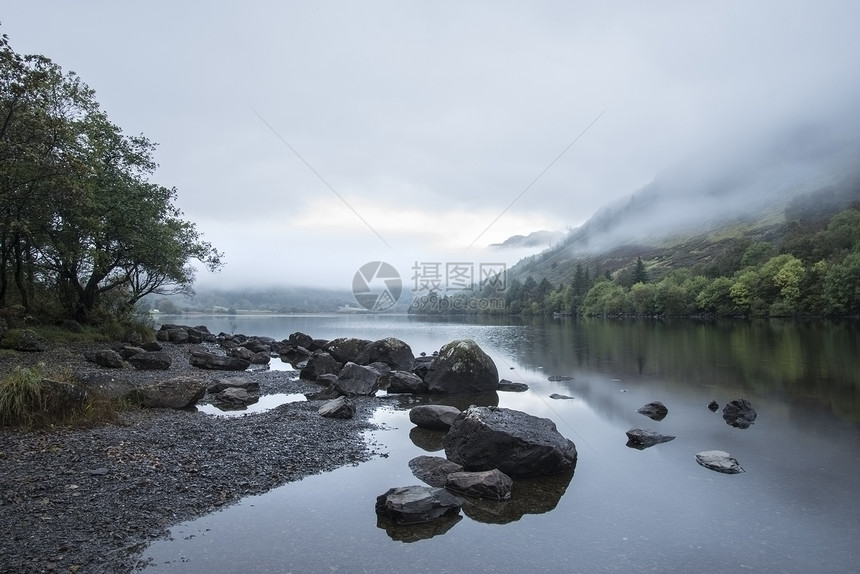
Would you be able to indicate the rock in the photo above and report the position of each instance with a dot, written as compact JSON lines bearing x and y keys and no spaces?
{"x":405,"y":382}
{"x":391,"y":351}
{"x":433,"y":470}
{"x":433,"y":417}
{"x":317,"y":345}
{"x":62,"y":397}
{"x":346,"y":349}
{"x":233,"y":397}
{"x":327,"y":379}
{"x":421,"y":366}
{"x":108,"y":358}
{"x":100,"y":471}
{"x":177,"y":335}
{"x":719,"y":461}
{"x":151,"y":361}
{"x":126,"y":351}
{"x":203,"y":360}
{"x":356,"y":379}
{"x":320,"y":363}
{"x":107,"y":385}
{"x":257,"y":346}
{"x":261,"y":358}
{"x":713,"y":406}
{"x":481,"y":484}
{"x":152,"y":346}
{"x":176,"y":393}
{"x":518,"y":444}
{"x":739,"y":413}
{"x":560,"y":397}
{"x":462,"y":367}
{"x":642,"y":439}
{"x":655,"y":411}
{"x":416,"y":504}
{"x":299,"y":339}
{"x":339,"y":408}
{"x":326,"y":394}
{"x":221,"y":384}
{"x":511,"y":387}
{"x":557,"y":378}
{"x":24,"y":340}
{"x":240,"y":352}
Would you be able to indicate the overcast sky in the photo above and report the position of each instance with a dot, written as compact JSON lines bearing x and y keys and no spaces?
{"x":425,"y":120}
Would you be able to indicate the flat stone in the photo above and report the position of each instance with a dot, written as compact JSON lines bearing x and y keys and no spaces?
{"x":719,"y":461}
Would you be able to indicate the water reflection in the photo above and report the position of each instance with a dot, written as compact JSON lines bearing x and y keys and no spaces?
{"x":533,"y":495}
{"x":787,"y":513}
{"x":416,"y":532}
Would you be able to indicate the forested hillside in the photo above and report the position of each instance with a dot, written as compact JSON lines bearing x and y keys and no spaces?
{"x":803,"y":259}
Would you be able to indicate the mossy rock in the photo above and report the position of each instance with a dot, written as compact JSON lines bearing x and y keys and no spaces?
{"x":25,"y":340}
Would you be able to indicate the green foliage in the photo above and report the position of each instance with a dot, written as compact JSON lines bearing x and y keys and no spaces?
{"x":79,"y":220}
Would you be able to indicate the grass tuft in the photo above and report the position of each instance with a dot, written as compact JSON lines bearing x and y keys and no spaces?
{"x":29,"y":400}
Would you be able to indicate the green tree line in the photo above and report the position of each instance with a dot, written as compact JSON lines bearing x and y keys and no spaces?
{"x":805,"y":272}
{"x":83,"y":230}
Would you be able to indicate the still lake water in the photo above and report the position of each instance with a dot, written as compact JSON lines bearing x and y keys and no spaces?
{"x":795,"y":509}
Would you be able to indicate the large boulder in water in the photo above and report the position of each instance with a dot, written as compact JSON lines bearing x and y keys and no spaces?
{"x":462,"y":367}
{"x":517,"y":443}
{"x":391,"y":351}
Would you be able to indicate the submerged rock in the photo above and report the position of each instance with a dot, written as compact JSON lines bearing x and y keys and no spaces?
{"x":417,"y":504}
{"x":511,"y":387}
{"x":719,"y":461}
{"x":492,"y":484}
{"x":655,"y":411}
{"x":642,"y":439}
{"x":433,"y":470}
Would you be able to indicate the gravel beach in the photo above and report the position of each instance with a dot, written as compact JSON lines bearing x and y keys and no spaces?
{"x":90,"y":500}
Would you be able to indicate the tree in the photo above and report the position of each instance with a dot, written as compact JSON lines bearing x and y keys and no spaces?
{"x":78,"y":215}
{"x":640,"y":275}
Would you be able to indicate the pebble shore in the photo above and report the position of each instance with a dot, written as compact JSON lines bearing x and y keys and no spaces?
{"x":90,"y":500}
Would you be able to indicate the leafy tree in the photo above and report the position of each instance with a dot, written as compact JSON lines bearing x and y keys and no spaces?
{"x":842,"y":286}
{"x":78,"y":215}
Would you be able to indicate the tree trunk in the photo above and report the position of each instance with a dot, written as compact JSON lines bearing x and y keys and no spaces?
{"x":19,"y":273}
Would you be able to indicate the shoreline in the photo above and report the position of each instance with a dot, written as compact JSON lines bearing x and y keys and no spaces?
{"x":90,"y":500}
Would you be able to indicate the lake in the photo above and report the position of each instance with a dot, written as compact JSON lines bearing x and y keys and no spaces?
{"x":796,"y":508}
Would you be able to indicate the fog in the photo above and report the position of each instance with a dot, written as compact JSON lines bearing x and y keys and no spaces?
{"x":306,"y":139}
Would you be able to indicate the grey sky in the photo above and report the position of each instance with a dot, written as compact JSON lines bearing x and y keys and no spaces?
{"x":429,"y":118}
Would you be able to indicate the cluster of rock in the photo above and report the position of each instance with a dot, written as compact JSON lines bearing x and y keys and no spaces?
{"x":737,"y":413}
{"x":485,"y":449}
